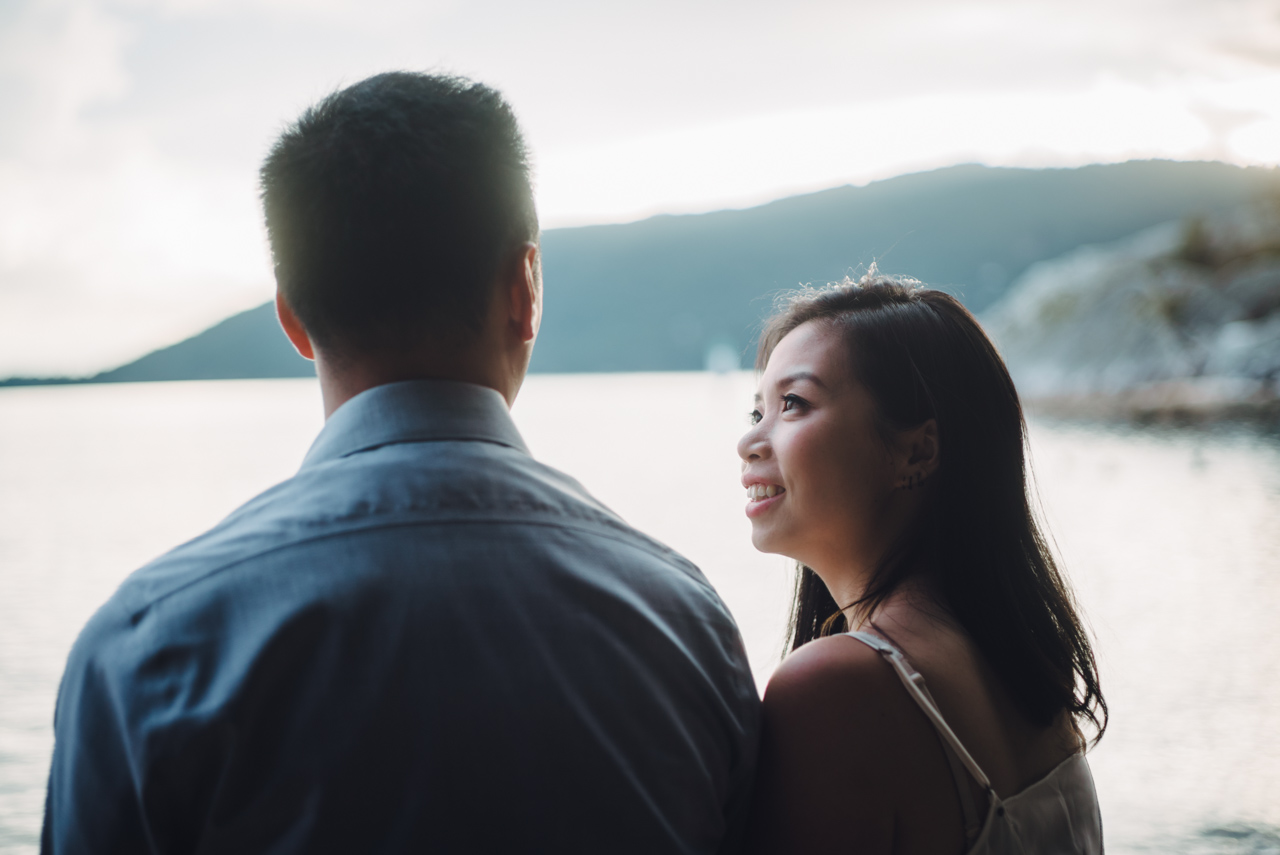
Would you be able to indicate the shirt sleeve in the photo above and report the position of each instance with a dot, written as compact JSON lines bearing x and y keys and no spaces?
{"x":91,"y":804}
{"x":742,"y":782}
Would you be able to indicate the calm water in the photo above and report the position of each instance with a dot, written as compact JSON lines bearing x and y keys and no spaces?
{"x":1173,"y":541}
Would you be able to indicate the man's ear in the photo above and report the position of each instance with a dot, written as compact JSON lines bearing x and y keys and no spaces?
{"x":524,"y":298}
{"x":293,"y":328}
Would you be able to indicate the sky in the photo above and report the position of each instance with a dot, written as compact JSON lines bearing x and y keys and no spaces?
{"x":131,"y":130}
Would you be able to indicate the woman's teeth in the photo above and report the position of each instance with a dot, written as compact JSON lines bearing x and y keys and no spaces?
{"x":756,"y":492}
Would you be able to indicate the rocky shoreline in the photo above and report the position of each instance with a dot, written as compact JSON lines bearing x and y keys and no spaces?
{"x":1175,"y":403}
{"x":1179,"y":325}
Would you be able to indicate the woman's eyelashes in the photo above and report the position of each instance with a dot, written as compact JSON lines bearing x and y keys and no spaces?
{"x":793,"y":403}
{"x":790,"y":403}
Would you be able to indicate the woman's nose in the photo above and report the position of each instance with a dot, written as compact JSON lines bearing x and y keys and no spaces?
{"x":754,"y":444}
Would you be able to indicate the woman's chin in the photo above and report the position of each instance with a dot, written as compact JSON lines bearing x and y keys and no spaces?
{"x":765,"y":540}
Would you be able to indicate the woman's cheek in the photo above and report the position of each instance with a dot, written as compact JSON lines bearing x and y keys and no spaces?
{"x":845,"y":489}
{"x":811,"y":477}
{"x":818,"y":460}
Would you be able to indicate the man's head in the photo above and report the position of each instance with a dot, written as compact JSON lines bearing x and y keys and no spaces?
{"x":397,"y":209}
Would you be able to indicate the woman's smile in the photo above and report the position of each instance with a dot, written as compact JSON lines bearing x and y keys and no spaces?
{"x":762,"y":496}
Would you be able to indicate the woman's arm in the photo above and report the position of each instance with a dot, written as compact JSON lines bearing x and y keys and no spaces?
{"x":827,"y":779}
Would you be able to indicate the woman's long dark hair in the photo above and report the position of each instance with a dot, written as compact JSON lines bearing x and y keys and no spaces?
{"x":923,"y":356}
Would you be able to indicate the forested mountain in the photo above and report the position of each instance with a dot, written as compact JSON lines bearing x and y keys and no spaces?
{"x":659,"y":294}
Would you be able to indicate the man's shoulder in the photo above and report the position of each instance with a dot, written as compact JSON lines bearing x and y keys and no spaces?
{"x":427,"y":492}
{"x":440,"y":534}
{"x":385,"y":605}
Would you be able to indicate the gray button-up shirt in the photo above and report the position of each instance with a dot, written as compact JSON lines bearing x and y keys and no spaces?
{"x":424,"y":641}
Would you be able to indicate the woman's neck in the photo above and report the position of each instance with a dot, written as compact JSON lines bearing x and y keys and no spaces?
{"x":913,"y":598}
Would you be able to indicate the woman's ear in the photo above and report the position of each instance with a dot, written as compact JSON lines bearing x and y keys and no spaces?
{"x":919,"y":452}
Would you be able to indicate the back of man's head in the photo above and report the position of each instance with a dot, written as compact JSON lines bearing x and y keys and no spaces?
{"x":392,"y":206}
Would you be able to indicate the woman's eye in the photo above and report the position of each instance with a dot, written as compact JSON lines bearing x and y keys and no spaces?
{"x":754,"y":417}
{"x":791,"y":402}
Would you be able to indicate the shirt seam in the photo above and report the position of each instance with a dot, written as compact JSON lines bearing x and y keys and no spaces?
{"x":659,"y":551}
{"x":409,"y":440}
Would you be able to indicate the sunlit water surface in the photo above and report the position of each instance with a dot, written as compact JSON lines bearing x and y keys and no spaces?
{"x":1172,"y":540}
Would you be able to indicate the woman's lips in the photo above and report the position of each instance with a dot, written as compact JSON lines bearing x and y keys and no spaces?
{"x":759,"y":501}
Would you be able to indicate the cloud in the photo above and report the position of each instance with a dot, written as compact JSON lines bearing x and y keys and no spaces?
{"x":56,"y":59}
{"x":795,"y":151}
{"x":133,"y":128}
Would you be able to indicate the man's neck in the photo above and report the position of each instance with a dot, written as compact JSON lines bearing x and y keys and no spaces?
{"x":340,"y":381}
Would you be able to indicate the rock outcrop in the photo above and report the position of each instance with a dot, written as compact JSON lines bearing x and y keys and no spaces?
{"x":1178,"y":322}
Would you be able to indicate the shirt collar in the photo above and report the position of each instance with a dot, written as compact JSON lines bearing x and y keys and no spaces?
{"x":415,"y":411}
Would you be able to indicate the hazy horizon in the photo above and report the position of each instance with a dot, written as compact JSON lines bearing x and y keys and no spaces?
{"x":133,"y":128}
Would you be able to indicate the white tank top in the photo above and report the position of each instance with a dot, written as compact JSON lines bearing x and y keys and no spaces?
{"x":1057,"y":815}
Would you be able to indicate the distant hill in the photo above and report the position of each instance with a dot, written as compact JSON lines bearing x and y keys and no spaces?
{"x":662,"y":293}
{"x":656,"y":294}
{"x":243,"y":347}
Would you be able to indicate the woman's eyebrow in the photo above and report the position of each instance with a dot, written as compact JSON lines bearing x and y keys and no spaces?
{"x":792,"y":378}
{"x":801,"y":375}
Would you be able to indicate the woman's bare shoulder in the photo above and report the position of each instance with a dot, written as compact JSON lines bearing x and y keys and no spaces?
{"x":837,"y":752}
{"x":836,"y":677}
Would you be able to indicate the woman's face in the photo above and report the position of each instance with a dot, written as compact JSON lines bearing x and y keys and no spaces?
{"x":814,"y":445}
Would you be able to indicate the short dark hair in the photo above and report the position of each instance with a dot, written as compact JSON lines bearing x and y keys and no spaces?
{"x":391,"y":207}
{"x":923,"y":356}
